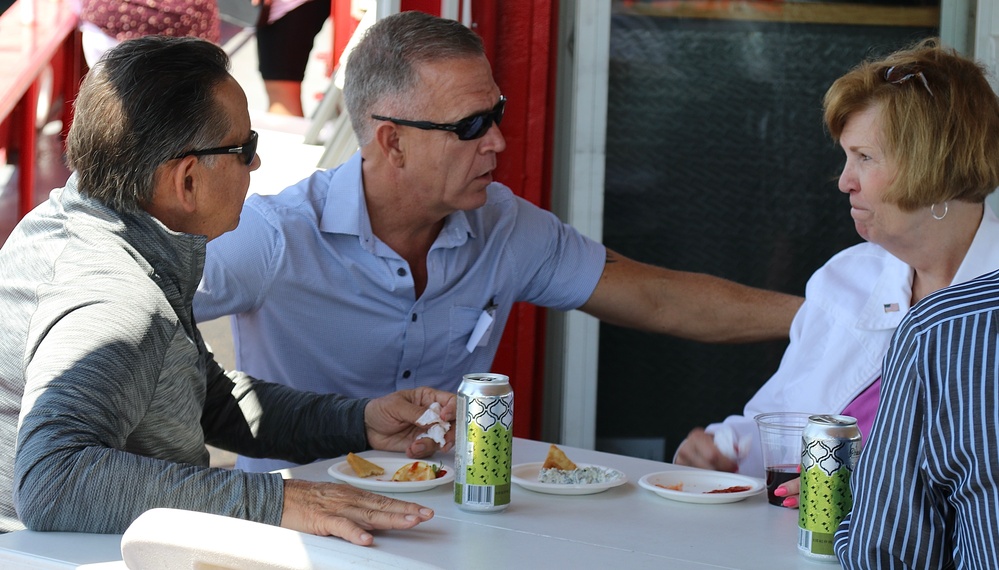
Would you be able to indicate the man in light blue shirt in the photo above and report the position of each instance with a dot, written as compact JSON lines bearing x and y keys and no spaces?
{"x":400,"y":267}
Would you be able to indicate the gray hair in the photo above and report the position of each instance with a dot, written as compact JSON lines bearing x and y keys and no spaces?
{"x":384,"y":63}
{"x":145,"y":102}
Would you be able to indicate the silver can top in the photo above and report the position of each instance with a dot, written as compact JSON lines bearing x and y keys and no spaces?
{"x":833,"y":420}
{"x":486,"y":377}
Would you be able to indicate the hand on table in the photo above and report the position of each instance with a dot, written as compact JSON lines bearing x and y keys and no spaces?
{"x":391,"y":421}
{"x":699,"y":450}
{"x":790,"y":491}
{"x":333,"y":509}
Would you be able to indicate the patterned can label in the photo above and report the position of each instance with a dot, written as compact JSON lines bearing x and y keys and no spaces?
{"x":483,"y":449}
{"x":830,"y":448}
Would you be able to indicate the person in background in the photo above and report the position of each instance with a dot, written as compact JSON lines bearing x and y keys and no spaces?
{"x":400,"y":267}
{"x":105,"y":23}
{"x":920,"y":131}
{"x":108,"y":394}
{"x":284,"y":43}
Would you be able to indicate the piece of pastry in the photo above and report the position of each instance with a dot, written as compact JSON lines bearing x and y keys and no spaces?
{"x":362,"y":466}
{"x":415,"y":471}
{"x":557,"y":459}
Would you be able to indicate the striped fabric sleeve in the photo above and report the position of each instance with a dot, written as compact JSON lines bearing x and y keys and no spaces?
{"x":925,"y":492}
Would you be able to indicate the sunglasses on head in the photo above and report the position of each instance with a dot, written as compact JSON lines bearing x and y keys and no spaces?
{"x":899,"y":74}
{"x":469,"y":128}
{"x":246,"y":151}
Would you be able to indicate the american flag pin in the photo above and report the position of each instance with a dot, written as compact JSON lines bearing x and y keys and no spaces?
{"x":891,"y":307}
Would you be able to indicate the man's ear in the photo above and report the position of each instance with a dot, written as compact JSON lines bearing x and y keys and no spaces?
{"x":389,"y":143}
{"x":175,"y":193}
{"x":184,"y":183}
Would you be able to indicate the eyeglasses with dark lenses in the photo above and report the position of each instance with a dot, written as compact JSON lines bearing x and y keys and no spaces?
{"x":899,"y":74}
{"x":469,"y":128}
{"x":246,"y":151}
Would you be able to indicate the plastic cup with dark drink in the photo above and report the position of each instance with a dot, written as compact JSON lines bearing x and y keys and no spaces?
{"x":780,"y":438}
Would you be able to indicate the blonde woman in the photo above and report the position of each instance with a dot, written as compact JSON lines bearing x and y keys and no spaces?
{"x":920,"y":133}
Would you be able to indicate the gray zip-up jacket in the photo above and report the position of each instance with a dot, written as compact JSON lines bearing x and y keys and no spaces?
{"x":108,"y":394}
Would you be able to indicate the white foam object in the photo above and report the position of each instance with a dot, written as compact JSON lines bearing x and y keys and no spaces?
{"x":168,"y":539}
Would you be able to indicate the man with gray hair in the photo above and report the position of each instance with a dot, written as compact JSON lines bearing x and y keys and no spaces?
{"x":400,"y":267}
{"x":108,"y":394}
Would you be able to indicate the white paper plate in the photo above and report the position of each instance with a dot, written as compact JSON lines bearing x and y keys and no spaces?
{"x":526,"y":475}
{"x":384,"y":483}
{"x":697,"y":485}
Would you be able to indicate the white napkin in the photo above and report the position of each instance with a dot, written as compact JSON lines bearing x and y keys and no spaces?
{"x":438,"y":427}
{"x":730,"y":444}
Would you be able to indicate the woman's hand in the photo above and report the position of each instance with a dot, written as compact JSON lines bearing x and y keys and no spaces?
{"x":790,"y":491}
{"x":699,"y":450}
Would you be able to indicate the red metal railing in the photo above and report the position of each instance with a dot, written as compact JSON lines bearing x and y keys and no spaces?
{"x":35,"y":35}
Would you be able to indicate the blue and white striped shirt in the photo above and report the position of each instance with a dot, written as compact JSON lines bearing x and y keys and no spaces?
{"x":925,"y":490}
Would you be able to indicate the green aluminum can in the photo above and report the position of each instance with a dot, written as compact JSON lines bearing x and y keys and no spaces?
{"x":483,"y":446}
{"x":830,"y":446}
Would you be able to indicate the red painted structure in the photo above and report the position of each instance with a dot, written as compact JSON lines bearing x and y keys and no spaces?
{"x":29,"y":47}
{"x":523,"y":58}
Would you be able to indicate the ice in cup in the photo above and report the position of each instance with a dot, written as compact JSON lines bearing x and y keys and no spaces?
{"x":780,"y":439}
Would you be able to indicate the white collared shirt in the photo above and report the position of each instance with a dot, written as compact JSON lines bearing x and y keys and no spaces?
{"x":841,"y":333}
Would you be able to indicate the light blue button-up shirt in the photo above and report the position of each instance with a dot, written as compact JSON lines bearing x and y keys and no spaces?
{"x":319,"y":303}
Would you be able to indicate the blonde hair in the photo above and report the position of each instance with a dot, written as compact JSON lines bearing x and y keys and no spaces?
{"x":939,"y":118}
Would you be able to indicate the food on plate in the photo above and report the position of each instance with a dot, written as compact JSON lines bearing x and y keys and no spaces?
{"x":561,"y":470}
{"x":735,"y":489}
{"x":557,"y":459}
{"x":418,"y":471}
{"x":363,"y":467}
{"x":589,"y":475}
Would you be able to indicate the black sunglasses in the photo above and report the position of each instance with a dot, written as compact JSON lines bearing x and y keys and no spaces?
{"x":246,"y":151}
{"x":899,"y":74}
{"x":469,"y":128}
